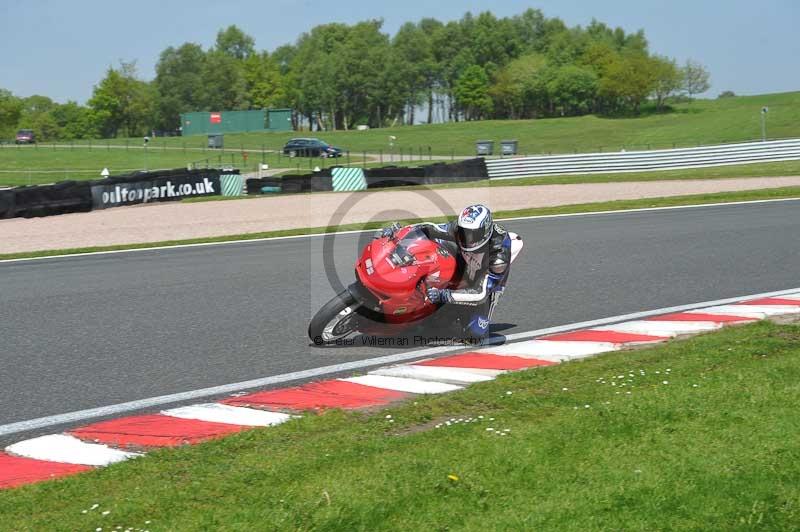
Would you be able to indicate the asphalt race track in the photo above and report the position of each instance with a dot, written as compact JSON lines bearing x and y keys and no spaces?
{"x":85,"y":332}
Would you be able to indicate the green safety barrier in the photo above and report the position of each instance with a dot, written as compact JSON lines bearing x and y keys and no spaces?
{"x":232,"y":184}
{"x":348,"y":179}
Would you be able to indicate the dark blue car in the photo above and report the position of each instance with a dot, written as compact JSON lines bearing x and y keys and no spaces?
{"x":310,"y":148}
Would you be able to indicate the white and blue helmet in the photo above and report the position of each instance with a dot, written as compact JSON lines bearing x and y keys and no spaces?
{"x":474,"y":227}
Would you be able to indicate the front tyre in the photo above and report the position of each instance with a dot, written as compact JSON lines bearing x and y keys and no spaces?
{"x":335,"y":320}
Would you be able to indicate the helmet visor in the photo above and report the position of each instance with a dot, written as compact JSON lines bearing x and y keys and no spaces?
{"x":470,"y":238}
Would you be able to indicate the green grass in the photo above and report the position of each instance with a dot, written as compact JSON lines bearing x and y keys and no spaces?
{"x":748,"y":195}
{"x":48,"y":164}
{"x":712,"y":449}
{"x":691,"y":124}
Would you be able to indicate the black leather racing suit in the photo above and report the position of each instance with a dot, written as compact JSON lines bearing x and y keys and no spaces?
{"x":482,"y":271}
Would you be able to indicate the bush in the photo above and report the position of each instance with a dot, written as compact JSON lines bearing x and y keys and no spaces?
{"x":680,"y":98}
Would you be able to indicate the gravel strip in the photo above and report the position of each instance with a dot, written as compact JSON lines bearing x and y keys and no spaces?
{"x":176,"y":221}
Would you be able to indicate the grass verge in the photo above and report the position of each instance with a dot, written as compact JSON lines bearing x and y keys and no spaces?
{"x":43,"y":164}
{"x":695,"y":434}
{"x":690,"y":124}
{"x":750,"y":195}
{"x":780,"y":169}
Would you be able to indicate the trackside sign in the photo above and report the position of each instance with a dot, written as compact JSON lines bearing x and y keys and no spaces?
{"x":167,"y":188}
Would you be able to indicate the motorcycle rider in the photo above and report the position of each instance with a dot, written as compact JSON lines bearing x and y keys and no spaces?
{"x":484,"y":263}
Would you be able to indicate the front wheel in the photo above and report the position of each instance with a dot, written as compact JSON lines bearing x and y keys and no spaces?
{"x":335,"y":320}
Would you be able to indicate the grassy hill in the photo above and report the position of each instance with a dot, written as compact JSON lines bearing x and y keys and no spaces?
{"x":690,"y":124}
{"x":697,"y":123}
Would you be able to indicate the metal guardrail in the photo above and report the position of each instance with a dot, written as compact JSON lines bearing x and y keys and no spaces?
{"x":639,"y":161}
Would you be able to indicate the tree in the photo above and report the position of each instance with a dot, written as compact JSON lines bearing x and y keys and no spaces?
{"x":431,"y":69}
{"x":453,"y":55}
{"x":179,"y":82}
{"x":530,"y":29}
{"x":224,"y":87}
{"x":726,"y":94}
{"x":410,"y":61}
{"x":36,"y":115}
{"x":43,"y":124}
{"x":37,"y":104}
{"x":494,"y":42}
{"x":235,"y":43}
{"x":264,"y":83}
{"x":314,"y":74}
{"x":516,"y":91}
{"x":472,"y":93}
{"x":10,"y":112}
{"x":123,"y":103}
{"x":628,"y":81}
{"x":696,"y":78}
{"x":75,"y":121}
{"x":507,"y":94}
{"x":283,"y":55}
{"x":668,"y":78}
{"x":573,"y":89}
{"x":566,"y":47}
{"x":364,"y":54}
{"x":338,"y":75}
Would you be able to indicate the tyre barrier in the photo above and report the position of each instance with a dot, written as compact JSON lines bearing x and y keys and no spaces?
{"x":45,"y":200}
{"x":384,"y":177}
{"x":131,"y":189}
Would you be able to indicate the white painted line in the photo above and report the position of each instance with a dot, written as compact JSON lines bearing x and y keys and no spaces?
{"x":151,"y":402}
{"x":403,"y":385}
{"x":552,"y":350}
{"x":752,"y":311}
{"x":650,"y":209}
{"x":234,"y":415}
{"x":68,"y":450}
{"x":315,"y":235}
{"x":661,"y":328}
{"x":477,"y":371}
{"x":792,"y":296}
{"x":433,"y":373}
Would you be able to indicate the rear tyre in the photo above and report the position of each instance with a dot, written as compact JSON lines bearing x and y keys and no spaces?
{"x":335,"y":320}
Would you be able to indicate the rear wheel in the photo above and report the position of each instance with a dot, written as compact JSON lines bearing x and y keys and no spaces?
{"x":335,"y":320}
{"x":292,"y":153}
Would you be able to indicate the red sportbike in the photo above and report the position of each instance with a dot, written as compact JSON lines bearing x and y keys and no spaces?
{"x":389,"y":294}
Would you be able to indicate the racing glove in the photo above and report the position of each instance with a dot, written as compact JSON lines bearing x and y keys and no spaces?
{"x":440,"y":295}
{"x":388,"y":231}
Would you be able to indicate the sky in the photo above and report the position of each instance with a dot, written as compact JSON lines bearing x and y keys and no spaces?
{"x":61,"y":49}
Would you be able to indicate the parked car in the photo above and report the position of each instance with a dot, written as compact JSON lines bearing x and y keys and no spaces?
{"x":310,"y":148}
{"x":26,"y":136}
